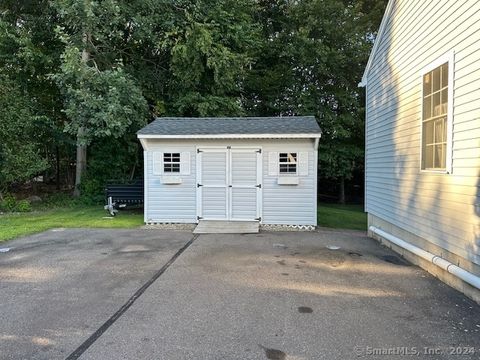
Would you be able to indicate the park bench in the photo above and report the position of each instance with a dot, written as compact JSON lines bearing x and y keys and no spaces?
{"x":121,"y":195}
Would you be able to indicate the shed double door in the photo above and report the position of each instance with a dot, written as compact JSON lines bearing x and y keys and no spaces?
{"x":229,"y":183}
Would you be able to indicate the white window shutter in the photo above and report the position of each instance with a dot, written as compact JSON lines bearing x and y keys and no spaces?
{"x":157,"y":163}
{"x":273,"y":163}
{"x":185,"y":163}
{"x":303,"y":163}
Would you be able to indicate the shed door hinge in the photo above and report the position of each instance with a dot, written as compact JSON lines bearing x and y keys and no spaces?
{"x":259,"y":151}
{"x":259,"y":218}
{"x":199,"y":217}
{"x":259,"y":186}
{"x":198,"y":185}
{"x":199,"y":151}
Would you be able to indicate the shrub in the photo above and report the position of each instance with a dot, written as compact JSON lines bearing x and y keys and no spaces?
{"x":9,"y":203}
{"x":91,"y":189}
{"x":23,"y":206}
{"x":59,"y":200}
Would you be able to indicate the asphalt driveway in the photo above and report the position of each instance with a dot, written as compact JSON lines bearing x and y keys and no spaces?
{"x":153,"y":294}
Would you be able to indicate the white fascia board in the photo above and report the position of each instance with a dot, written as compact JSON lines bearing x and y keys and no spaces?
{"x":144,"y":144}
{"x":381,"y":30}
{"x":232,"y":136}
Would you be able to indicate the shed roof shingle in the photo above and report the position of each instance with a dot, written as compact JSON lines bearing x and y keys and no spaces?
{"x":182,"y":126}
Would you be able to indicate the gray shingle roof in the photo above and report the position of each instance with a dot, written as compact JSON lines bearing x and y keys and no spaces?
{"x":232,"y":125}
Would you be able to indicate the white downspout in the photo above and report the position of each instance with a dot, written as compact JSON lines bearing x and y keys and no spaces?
{"x":453,"y":269}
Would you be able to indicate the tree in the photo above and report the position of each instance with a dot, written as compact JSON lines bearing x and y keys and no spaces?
{"x":311,"y":61}
{"x":20,"y":155}
{"x":100,"y":99}
{"x":210,"y":47}
{"x":269,"y":84}
{"x":29,"y":53}
{"x":87,"y":72}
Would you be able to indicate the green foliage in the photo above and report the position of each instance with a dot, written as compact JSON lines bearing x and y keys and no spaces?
{"x":211,"y":47}
{"x":103,"y":103}
{"x":62,"y":200}
{"x":311,"y":64}
{"x":10,"y":204}
{"x":23,"y":206}
{"x":91,"y":189}
{"x":20,"y":157}
{"x":106,"y":67}
{"x":123,"y":153}
{"x":58,"y":200}
{"x":31,"y":125}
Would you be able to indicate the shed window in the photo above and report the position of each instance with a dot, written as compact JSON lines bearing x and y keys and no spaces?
{"x":171,"y":162}
{"x":435,"y":118}
{"x":288,"y":163}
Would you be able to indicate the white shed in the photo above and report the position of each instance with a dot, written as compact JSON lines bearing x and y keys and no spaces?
{"x":423,"y":137}
{"x":260,"y":169}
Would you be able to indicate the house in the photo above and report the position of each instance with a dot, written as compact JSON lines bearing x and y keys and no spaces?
{"x":231,"y":169}
{"x":423,"y":137}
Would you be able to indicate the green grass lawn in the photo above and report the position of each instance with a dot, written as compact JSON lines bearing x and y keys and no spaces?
{"x":19,"y":224}
{"x":342,"y":216}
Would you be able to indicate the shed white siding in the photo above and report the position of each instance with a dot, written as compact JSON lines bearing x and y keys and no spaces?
{"x":164,"y":202}
{"x":444,"y":209}
{"x":287,"y":204}
{"x":279,"y":204}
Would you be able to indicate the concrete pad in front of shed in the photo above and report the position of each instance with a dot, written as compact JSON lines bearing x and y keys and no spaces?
{"x":58,"y":287}
{"x":288,"y":296}
{"x":226,"y":227}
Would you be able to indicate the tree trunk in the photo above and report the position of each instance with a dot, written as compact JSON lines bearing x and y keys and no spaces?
{"x":341,"y":193}
{"x":57,"y":167}
{"x":81,"y":163}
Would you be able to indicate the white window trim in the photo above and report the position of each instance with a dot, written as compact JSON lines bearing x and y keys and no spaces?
{"x":449,"y":58}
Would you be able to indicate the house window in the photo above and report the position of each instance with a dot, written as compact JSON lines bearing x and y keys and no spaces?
{"x":171,"y":162}
{"x":435,"y":118}
{"x":288,"y":163}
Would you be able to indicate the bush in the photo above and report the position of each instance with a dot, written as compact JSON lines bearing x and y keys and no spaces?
{"x":23,"y":206}
{"x":92,"y":194}
{"x":59,"y":200}
{"x":91,"y":190}
{"x":110,"y":159}
{"x":10,"y":204}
